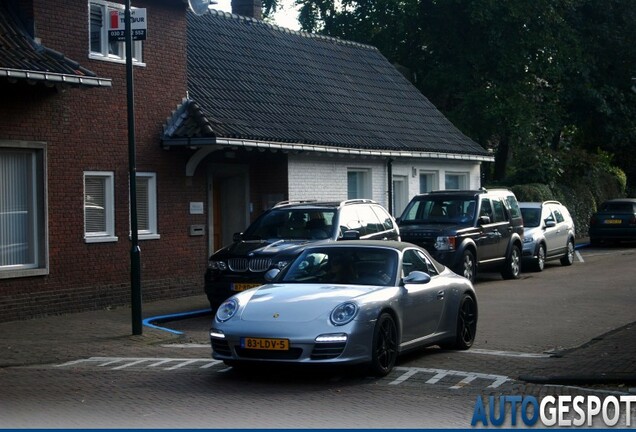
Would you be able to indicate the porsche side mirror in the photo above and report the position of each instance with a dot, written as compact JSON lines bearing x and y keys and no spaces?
{"x":417,"y":277}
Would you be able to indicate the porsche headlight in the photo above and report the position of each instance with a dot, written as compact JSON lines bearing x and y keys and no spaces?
{"x":344,"y":313}
{"x":227,"y":310}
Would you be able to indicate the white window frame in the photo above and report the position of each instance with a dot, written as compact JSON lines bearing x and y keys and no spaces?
{"x":363,"y":183}
{"x":108,"y":235}
{"x":103,"y":54}
{"x":151,"y":233}
{"x":433,"y":175}
{"x":462,"y":177}
{"x":38,"y":264}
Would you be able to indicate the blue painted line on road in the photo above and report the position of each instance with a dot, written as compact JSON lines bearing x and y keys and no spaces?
{"x":150,"y":322}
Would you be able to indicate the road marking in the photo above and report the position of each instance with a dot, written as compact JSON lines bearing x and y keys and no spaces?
{"x":505,"y":353}
{"x":463,"y":383}
{"x":126,"y":362}
{"x":462,"y":379}
{"x":578,"y":255}
{"x":187,"y":345}
{"x":439,"y":374}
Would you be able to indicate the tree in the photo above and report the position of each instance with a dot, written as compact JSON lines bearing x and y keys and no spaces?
{"x":517,"y":76}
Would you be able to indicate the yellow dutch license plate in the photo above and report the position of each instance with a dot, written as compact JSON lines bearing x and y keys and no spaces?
{"x":265,"y":344}
{"x":613,"y":221}
{"x":243,"y":286}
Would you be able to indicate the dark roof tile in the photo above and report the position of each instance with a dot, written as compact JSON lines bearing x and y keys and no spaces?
{"x":251,"y":80}
{"x":22,"y":58}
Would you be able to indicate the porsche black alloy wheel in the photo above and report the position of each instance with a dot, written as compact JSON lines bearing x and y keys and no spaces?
{"x":466,"y":323}
{"x":385,"y":346}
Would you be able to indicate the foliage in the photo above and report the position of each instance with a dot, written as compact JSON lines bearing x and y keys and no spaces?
{"x":529,"y":79}
{"x":533,"y":192}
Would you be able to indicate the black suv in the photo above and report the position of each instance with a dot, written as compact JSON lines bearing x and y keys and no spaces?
{"x":278,"y":234}
{"x":467,"y":230}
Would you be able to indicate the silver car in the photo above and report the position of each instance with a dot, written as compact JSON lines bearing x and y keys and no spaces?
{"x":548,"y":233}
{"x":349,"y":302}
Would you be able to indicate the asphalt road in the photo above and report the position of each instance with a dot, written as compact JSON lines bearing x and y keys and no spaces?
{"x":180,"y":386}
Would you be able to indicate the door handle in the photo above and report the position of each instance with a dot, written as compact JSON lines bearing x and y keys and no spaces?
{"x":440,"y":295}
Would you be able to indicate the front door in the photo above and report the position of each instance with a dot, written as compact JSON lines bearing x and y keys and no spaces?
{"x":229,"y":204}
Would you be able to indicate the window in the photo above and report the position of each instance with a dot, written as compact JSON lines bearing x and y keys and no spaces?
{"x":558,"y":216}
{"x":147,"y":206}
{"x":456,"y":181}
{"x":499,"y":214}
{"x":384,"y":217}
{"x":427,"y":182}
{"x":486,"y":208}
{"x":100,"y":48}
{"x":23,"y":226}
{"x":358,"y":184}
{"x":99,"y":207}
{"x":416,"y":260}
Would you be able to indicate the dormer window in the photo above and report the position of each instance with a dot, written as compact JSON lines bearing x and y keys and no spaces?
{"x":100,"y":47}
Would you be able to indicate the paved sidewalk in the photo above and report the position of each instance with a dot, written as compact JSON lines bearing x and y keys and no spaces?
{"x":608,"y":360}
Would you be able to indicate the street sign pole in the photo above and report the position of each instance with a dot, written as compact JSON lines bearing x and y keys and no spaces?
{"x":135,"y":261}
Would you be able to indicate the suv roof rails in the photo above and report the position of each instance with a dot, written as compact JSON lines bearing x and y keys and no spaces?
{"x":357,"y":201}
{"x":283,"y":203}
{"x":456,"y":191}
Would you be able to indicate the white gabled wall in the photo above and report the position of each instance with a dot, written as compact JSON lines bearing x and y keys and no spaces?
{"x":325,"y":177}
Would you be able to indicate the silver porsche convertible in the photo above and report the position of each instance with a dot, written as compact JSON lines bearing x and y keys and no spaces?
{"x":348,"y":302}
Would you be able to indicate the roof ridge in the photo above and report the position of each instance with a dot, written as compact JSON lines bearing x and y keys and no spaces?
{"x":301,"y":33}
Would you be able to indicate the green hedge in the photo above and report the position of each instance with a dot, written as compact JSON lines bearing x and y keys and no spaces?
{"x":581,"y":194}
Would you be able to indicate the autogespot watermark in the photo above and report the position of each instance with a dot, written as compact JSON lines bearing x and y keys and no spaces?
{"x":561,"y":411}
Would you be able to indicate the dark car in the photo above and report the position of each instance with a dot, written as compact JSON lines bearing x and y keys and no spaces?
{"x":467,"y":230}
{"x":280,"y":233}
{"x":615,"y":220}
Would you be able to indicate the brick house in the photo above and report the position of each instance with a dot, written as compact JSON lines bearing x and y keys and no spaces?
{"x":217,"y":142}
{"x":64,"y":232}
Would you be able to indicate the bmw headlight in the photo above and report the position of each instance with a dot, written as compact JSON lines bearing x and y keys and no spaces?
{"x":445,"y":243}
{"x":344,"y":313}
{"x":217,"y":265}
{"x":227,"y":310}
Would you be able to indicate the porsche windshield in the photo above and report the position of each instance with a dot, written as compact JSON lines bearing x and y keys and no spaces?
{"x":337,"y":265}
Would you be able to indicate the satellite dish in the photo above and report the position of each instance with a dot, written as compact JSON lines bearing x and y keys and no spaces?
{"x":199,"y":7}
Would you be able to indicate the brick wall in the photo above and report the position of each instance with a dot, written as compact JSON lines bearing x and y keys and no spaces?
{"x":85,"y":129}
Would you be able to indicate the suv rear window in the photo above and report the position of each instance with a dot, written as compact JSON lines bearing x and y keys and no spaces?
{"x":291,"y":224}
{"x":622,"y":207}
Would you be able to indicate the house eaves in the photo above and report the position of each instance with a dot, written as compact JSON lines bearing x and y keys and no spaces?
{"x":23,"y":58}
{"x":259,"y":85}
